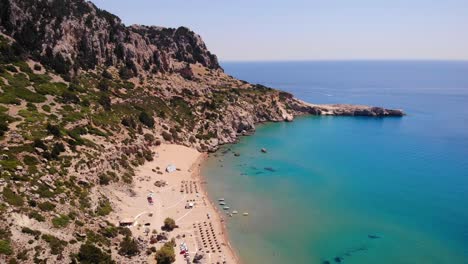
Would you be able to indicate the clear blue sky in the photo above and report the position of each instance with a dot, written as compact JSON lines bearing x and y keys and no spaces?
{"x":312,"y":29}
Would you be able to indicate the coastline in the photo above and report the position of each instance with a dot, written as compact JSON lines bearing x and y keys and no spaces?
{"x":221,"y":218}
{"x":201,"y":228}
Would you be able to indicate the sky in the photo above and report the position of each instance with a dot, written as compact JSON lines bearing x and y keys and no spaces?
{"x":275,"y":30}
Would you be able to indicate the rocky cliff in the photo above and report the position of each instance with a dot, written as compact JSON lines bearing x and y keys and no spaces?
{"x":69,"y":36}
{"x":84,"y":97}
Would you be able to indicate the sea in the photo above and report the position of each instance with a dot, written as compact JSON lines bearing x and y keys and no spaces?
{"x":351,"y":189}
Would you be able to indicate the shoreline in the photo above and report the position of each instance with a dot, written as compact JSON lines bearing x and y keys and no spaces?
{"x":221,"y":219}
{"x":201,"y":227}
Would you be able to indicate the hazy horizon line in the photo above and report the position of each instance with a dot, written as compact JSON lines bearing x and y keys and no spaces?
{"x":349,"y":60}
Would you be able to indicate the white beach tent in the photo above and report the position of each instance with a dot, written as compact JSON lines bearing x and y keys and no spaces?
{"x":171,"y":168}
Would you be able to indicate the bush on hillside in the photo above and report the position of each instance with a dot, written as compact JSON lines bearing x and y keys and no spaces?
{"x":167,"y":136}
{"x":90,"y":254}
{"x":146,"y":119}
{"x":53,"y":130}
{"x":129,"y":247}
{"x":105,"y":101}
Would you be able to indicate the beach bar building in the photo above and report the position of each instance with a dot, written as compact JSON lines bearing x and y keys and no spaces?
{"x":126,"y":222}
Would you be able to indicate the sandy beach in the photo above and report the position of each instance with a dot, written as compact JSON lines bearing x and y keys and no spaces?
{"x":200,"y":227}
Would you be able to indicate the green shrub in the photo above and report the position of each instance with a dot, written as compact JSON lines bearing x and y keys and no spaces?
{"x":44,"y":191}
{"x":146,"y":119}
{"x":104,"y":179}
{"x":46,"y":108}
{"x":169,"y":224}
{"x":149,"y":137}
{"x":30,"y":160}
{"x":105,"y":101}
{"x":166,"y":254}
{"x":5,"y":248}
{"x":104,"y":207}
{"x":54,"y":130}
{"x":60,"y":221}
{"x":128,"y":122}
{"x":124,"y":231}
{"x":167,"y":136}
{"x":12,"y":198}
{"x":23,"y":255}
{"x":90,"y":254}
{"x":37,"y":216}
{"x":56,"y":245}
{"x":38,"y":143}
{"x":11,"y":68}
{"x":46,"y":206}
{"x":47,"y":87}
{"x":129,"y":247}
{"x":128,"y":85}
{"x":70,"y":97}
{"x":125,"y":73}
{"x":110,"y":232}
{"x":24,"y":94}
{"x":96,"y":238}
{"x":39,"y":79}
{"x":31,"y":232}
{"x":104,"y":85}
{"x":23,"y":66}
{"x":57,"y":148}
{"x":106,"y":74}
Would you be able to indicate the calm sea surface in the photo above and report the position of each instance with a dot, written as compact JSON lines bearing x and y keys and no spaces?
{"x":352,"y":190}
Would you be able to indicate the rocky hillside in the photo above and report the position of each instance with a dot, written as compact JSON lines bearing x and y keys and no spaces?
{"x":70,"y":36}
{"x":83,"y":98}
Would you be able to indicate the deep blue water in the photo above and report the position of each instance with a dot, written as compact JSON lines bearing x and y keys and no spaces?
{"x":357,"y":190}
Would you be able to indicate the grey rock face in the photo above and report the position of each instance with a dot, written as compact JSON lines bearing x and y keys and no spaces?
{"x":71,"y":35}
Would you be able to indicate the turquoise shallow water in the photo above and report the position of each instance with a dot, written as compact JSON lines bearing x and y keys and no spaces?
{"x":353,"y":190}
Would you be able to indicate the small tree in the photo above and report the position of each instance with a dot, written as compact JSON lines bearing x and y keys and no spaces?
{"x":129,"y":247}
{"x":107,"y":74}
{"x":125,"y":73}
{"x":54,"y":130}
{"x":169,"y":224}
{"x":146,"y":119}
{"x":105,"y":101}
{"x":56,"y":150}
{"x":166,"y":255}
{"x":128,"y":122}
{"x":90,"y":254}
{"x":104,"y":85}
{"x":70,"y":97}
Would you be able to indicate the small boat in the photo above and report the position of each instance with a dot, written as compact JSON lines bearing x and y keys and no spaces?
{"x":234,"y":212}
{"x":245,"y":214}
{"x":221,"y":199}
{"x":222,"y":203}
{"x":226,"y":207}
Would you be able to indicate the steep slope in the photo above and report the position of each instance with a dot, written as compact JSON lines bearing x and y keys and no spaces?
{"x":72,"y":35}
{"x":83,"y":97}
